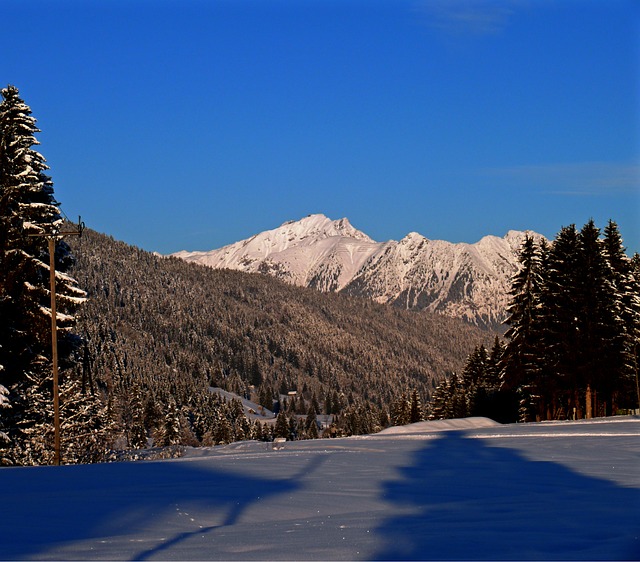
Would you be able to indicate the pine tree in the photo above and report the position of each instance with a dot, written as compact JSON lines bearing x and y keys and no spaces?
{"x":449,"y":400}
{"x":293,"y":429}
{"x":415,"y":412}
{"x":600,"y":324}
{"x":27,"y":207}
{"x":627,"y":287}
{"x":401,"y":411}
{"x":457,"y":403}
{"x":562,"y":336}
{"x":544,"y":398}
{"x":474,"y":377}
{"x":136,"y":432}
{"x":223,"y":432}
{"x":492,"y":373}
{"x":282,"y":426}
{"x":169,"y":432}
{"x":520,"y":359}
{"x":438,"y":404}
{"x":311,"y":420}
{"x":85,"y":425}
{"x":4,"y":438}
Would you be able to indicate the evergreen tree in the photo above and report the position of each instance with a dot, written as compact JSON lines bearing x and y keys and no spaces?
{"x":520,"y":360}
{"x":28,"y":210}
{"x":294,"y":429}
{"x":562,"y":306}
{"x":600,"y":323}
{"x":328,"y":406}
{"x":169,"y":432}
{"x":415,"y":411}
{"x":4,"y":438}
{"x":573,"y":336}
{"x":547,"y":383}
{"x":492,"y":373}
{"x":311,"y":420}
{"x":312,"y":430}
{"x":282,"y":426}
{"x":400,"y":411}
{"x":438,"y":404}
{"x":449,"y":400}
{"x":85,"y":425}
{"x":499,"y":404}
{"x":222,"y":432}
{"x":136,"y":432}
{"x":456,"y":406}
{"x":627,"y":287}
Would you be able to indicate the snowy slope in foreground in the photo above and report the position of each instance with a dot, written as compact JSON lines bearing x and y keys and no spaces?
{"x":469,"y":490}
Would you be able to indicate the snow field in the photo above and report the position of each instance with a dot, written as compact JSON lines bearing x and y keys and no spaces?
{"x":467,"y":489}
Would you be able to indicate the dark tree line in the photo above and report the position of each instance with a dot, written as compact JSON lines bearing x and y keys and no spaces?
{"x":572,"y":337}
{"x":477,"y":391}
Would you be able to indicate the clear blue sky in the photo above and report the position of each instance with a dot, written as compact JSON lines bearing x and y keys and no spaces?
{"x":191,"y":124}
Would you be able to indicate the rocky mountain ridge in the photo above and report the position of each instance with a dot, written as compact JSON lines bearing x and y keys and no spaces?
{"x":469,"y":281}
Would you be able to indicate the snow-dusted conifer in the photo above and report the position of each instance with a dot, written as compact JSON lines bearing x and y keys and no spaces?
{"x":627,"y":287}
{"x":415,"y":411}
{"x":600,"y":322}
{"x":169,"y":432}
{"x":562,"y":287}
{"x":4,"y":438}
{"x":520,"y":359}
{"x":401,"y":411}
{"x":282,"y":426}
{"x":136,"y":432}
{"x":27,"y":207}
{"x":311,"y":419}
{"x":438,"y":402}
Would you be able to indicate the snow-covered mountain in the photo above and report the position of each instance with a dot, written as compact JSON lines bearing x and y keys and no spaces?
{"x":462,"y":280}
{"x":314,"y":252}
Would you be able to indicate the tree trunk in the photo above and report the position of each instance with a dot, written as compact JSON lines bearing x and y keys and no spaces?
{"x":577,"y":408}
{"x":588,"y":403}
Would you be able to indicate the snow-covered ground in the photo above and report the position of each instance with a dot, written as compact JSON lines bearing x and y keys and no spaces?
{"x":467,"y":489}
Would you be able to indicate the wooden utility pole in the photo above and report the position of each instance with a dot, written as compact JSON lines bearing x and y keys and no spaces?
{"x":53,"y":236}
{"x":635,"y":362}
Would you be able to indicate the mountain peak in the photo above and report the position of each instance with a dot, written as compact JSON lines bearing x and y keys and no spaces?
{"x":320,"y":226}
{"x":463,"y":280}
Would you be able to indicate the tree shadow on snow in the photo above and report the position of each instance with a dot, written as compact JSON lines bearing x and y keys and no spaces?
{"x":164,"y":503}
{"x":468,"y":500}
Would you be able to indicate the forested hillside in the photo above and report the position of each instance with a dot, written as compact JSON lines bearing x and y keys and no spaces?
{"x":170,"y":329}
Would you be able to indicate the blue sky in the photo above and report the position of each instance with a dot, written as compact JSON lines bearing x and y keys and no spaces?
{"x":191,"y":124}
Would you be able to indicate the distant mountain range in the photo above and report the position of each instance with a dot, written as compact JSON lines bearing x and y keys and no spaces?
{"x":469,"y":281}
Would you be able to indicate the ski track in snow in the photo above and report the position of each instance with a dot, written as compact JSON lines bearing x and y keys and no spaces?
{"x":455,"y":489}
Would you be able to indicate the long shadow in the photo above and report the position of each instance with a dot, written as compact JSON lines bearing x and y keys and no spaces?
{"x":45,"y":507}
{"x":467,"y":500}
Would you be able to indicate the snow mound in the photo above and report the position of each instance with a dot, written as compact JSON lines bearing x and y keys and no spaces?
{"x":440,"y":425}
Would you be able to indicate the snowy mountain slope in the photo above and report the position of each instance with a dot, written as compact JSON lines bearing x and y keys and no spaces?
{"x":470,"y":490}
{"x":469,"y":281}
{"x":314,"y":251}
